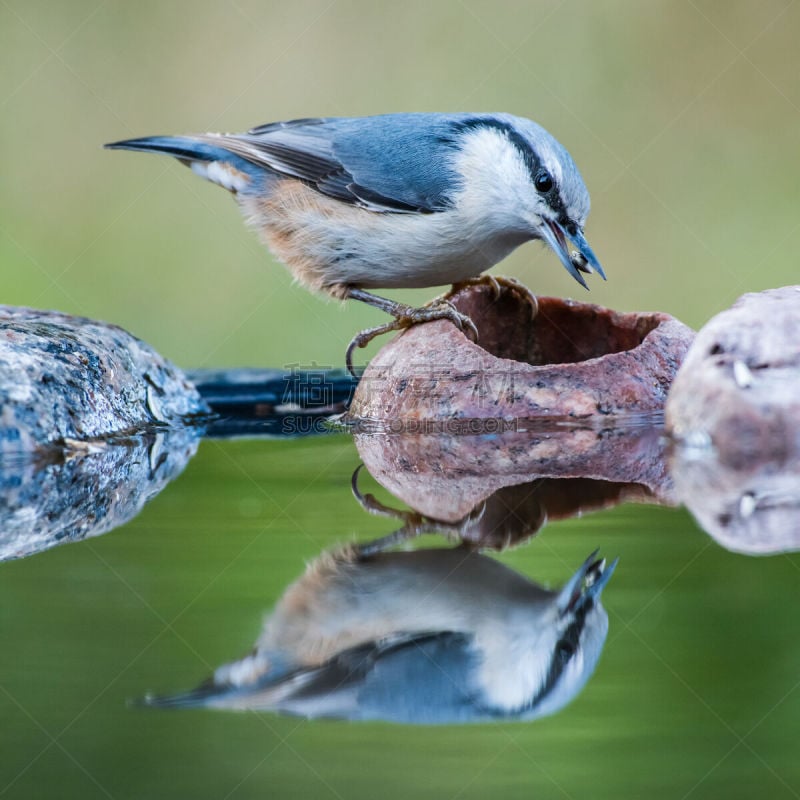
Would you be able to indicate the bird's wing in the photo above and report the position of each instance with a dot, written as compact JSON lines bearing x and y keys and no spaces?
{"x":426,"y":680}
{"x":394,"y":162}
{"x":419,"y":678}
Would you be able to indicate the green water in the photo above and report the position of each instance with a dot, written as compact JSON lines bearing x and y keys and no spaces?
{"x":697,"y":693}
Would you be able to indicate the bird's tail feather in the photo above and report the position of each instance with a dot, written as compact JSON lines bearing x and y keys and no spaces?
{"x":263,"y":695}
{"x":206,"y":157}
{"x":188,"y":148}
{"x":194,"y":698}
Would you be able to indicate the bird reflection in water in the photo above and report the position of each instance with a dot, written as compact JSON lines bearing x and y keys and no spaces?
{"x":427,"y":636}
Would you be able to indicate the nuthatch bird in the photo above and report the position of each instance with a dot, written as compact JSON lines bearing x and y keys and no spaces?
{"x":428,"y":636}
{"x":397,"y":201}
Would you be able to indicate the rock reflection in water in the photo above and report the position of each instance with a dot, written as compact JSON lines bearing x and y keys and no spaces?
{"x":752,"y":509}
{"x":429,"y":636}
{"x":445,"y":475}
{"x":508,"y":517}
{"x":69,"y":495}
{"x":497,"y":491}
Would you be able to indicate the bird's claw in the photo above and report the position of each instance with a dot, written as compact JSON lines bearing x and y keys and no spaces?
{"x":499,"y":284}
{"x":407,"y":317}
{"x":363,"y":338}
{"x":415,"y":523}
{"x":442,"y":308}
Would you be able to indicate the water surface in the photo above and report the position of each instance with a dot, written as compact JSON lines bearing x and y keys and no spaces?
{"x":697,"y":692}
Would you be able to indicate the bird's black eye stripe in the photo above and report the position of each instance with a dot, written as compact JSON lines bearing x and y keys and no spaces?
{"x":532,"y":161}
{"x":543,"y":181}
{"x":565,"y":650}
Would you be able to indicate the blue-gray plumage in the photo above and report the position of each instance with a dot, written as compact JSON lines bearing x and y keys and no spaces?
{"x":430,"y":636}
{"x":398,"y":200}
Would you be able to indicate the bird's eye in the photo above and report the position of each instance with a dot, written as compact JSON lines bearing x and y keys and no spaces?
{"x":565,"y":650}
{"x":543,"y":182}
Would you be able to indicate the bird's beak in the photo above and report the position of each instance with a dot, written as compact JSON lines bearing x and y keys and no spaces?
{"x":573,"y":250}
{"x":587,"y":583}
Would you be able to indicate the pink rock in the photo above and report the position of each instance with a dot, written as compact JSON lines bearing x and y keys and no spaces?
{"x":574,"y":394}
{"x":571,"y":361}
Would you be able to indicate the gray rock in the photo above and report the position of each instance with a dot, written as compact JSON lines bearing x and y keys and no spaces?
{"x":66,"y":379}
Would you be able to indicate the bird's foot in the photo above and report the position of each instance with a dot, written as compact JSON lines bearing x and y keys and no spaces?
{"x":498,"y":285}
{"x":442,"y":308}
{"x":415,"y":524}
{"x":408,"y":316}
{"x":363,"y":338}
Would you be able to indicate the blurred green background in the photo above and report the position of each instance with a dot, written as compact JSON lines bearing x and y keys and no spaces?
{"x":684,"y":118}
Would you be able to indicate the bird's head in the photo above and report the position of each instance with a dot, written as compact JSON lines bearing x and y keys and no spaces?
{"x":527,"y":182}
{"x":579,"y":628}
{"x":543,"y":656}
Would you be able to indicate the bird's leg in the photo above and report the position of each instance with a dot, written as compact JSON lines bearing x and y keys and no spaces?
{"x":500,"y":284}
{"x":404,"y":317}
{"x":415,"y":524}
